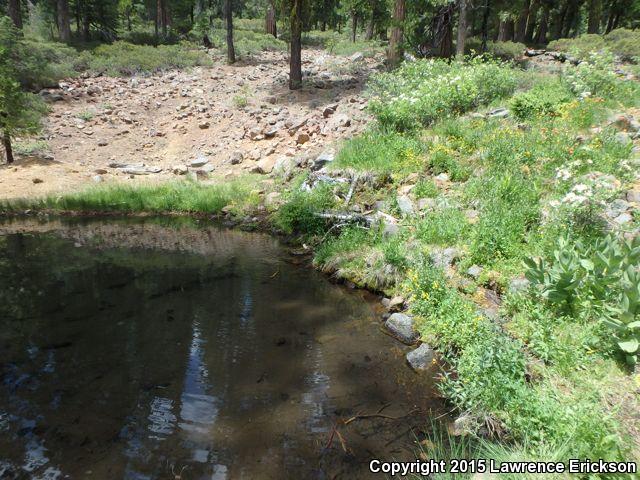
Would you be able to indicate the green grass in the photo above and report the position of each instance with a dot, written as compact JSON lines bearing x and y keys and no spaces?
{"x":171,"y":197}
{"x":382,"y":151}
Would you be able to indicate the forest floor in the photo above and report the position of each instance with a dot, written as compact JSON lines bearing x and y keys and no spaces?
{"x":222,"y":120}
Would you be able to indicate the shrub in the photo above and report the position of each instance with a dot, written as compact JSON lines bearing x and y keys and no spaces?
{"x":502,"y":50}
{"x":544,"y":98}
{"x":44,"y":64}
{"x":121,"y":58}
{"x":442,"y":227}
{"x":347,"y":47}
{"x":595,"y":76}
{"x":299,"y":213}
{"x":621,"y":42}
{"x":421,"y":92}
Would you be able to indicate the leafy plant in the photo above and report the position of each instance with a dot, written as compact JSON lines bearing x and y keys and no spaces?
{"x":624,"y":319}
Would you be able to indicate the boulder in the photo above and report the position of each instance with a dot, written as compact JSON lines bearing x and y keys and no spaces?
{"x":518,"y":284}
{"x":474,"y":271}
{"x":327,"y":156}
{"x":401,"y":327}
{"x":421,"y":358}
{"x":443,"y":258}
{"x":501,"y":112}
{"x":199,"y":162}
{"x":302,"y":138}
{"x":395,"y":304}
{"x":236,"y":157}
{"x":265,"y":165}
{"x":180,"y":169}
{"x":405,"y":205}
{"x":356,"y":57}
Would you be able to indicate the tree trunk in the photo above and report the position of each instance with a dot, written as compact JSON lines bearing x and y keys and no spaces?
{"x":541,"y":35}
{"x":462,"y":28}
{"x":271,"y":26}
{"x":558,"y":22}
{"x":372,"y":23}
{"x":521,"y":26}
{"x":6,"y":140}
{"x":64,"y":28}
{"x":505,"y":30}
{"x":485,"y":25}
{"x":571,"y":18}
{"x":15,"y":13}
{"x":228,"y":14}
{"x":442,"y":28}
{"x":396,"y":50}
{"x":86,"y":23}
{"x":354,"y":26}
{"x":595,"y":10}
{"x":295,"y":58}
{"x":531,"y":22}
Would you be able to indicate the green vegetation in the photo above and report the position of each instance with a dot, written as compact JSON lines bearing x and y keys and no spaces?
{"x":405,"y":101}
{"x":173,"y":197}
{"x":621,"y":42}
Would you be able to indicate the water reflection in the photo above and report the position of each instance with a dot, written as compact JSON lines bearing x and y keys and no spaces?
{"x":128,"y":352}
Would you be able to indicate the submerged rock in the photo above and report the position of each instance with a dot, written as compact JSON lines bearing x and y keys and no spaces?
{"x":421,"y":358}
{"x":401,"y":327}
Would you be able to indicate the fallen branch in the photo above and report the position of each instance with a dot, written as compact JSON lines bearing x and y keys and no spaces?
{"x":379,"y":415}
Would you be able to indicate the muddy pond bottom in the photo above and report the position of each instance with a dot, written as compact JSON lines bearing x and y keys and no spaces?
{"x":161,"y":349}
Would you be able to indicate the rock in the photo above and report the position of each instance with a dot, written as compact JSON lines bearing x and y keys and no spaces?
{"x":203,"y":125}
{"x":302,"y":138}
{"x":327,"y":156}
{"x":405,"y":205}
{"x":518,"y":284}
{"x":270,"y":132}
{"x":285,"y":165}
{"x":633,"y":195}
{"x":443,"y":258}
{"x":179,"y":169}
{"x":501,"y":112}
{"x":401,"y":327}
{"x":426,"y":203}
{"x":199,"y":162}
{"x":529,"y":52}
{"x":37,"y":180}
{"x":236,"y":157}
{"x":443,"y":177}
{"x":623,"y":219}
{"x":103,"y":143}
{"x":272,"y":199}
{"x":140,"y":170}
{"x":474,"y":271}
{"x":624,"y":138}
{"x":421,"y":358}
{"x":617,"y":208}
{"x":340,"y":120}
{"x":206,"y":168}
{"x":395,"y":304}
{"x":465,"y":424}
{"x":356,"y":57}
{"x":264,"y":166}
{"x":97,"y":178}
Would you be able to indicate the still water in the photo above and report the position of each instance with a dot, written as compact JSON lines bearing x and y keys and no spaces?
{"x":151,"y":349}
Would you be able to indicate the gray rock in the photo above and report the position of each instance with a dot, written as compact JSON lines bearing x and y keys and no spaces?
{"x":321,"y":160}
{"x":207,"y":168}
{"x":236,"y":157}
{"x":426,"y":203}
{"x":617,"y":208}
{"x":140,"y":170}
{"x":474,"y":271}
{"x":199,"y":162}
{"x":623,"y":219}
{"x":443,"y":177}
{"x":272,"y":198}
{"x":465,"y":424}
{"x":443,"y":258}
{"x":633,"y":196}
{"x":421,"y":358}
{"x":97,"y":178}
{"x":180,"y":169}
{"x":518,"y":284}
{"x":395,"y":304}
{"x":405,"y":205}
{"x":401,"y":327}
{"x":356,"y":57}
{"x":624,"y":138}
{"x":500,"y":112}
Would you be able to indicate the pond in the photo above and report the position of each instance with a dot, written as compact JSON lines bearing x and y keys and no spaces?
{"x":159,"y":349}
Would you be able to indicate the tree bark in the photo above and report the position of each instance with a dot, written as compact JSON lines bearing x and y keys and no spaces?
{"x":271,"y":26}
{"x":595,"y":10}
{"x":396,"y":50}
{"x":531,"y":21}
{"x":372,"y":23}
{"x":6,"y":140}
{"x":15,"y":13}
{"x":571,"y":18}
{"x":354,"y":26}
{"x":295,"y":58}
{"x":228,"y":14}
{"x":462,"y":28}
{"x":505,"y":30}
{"x":485,"y":25}
{"x":521,"y":26}
{"x":64,"y":28}
{"x":558,"y":23}
{"x":541,"y":35}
